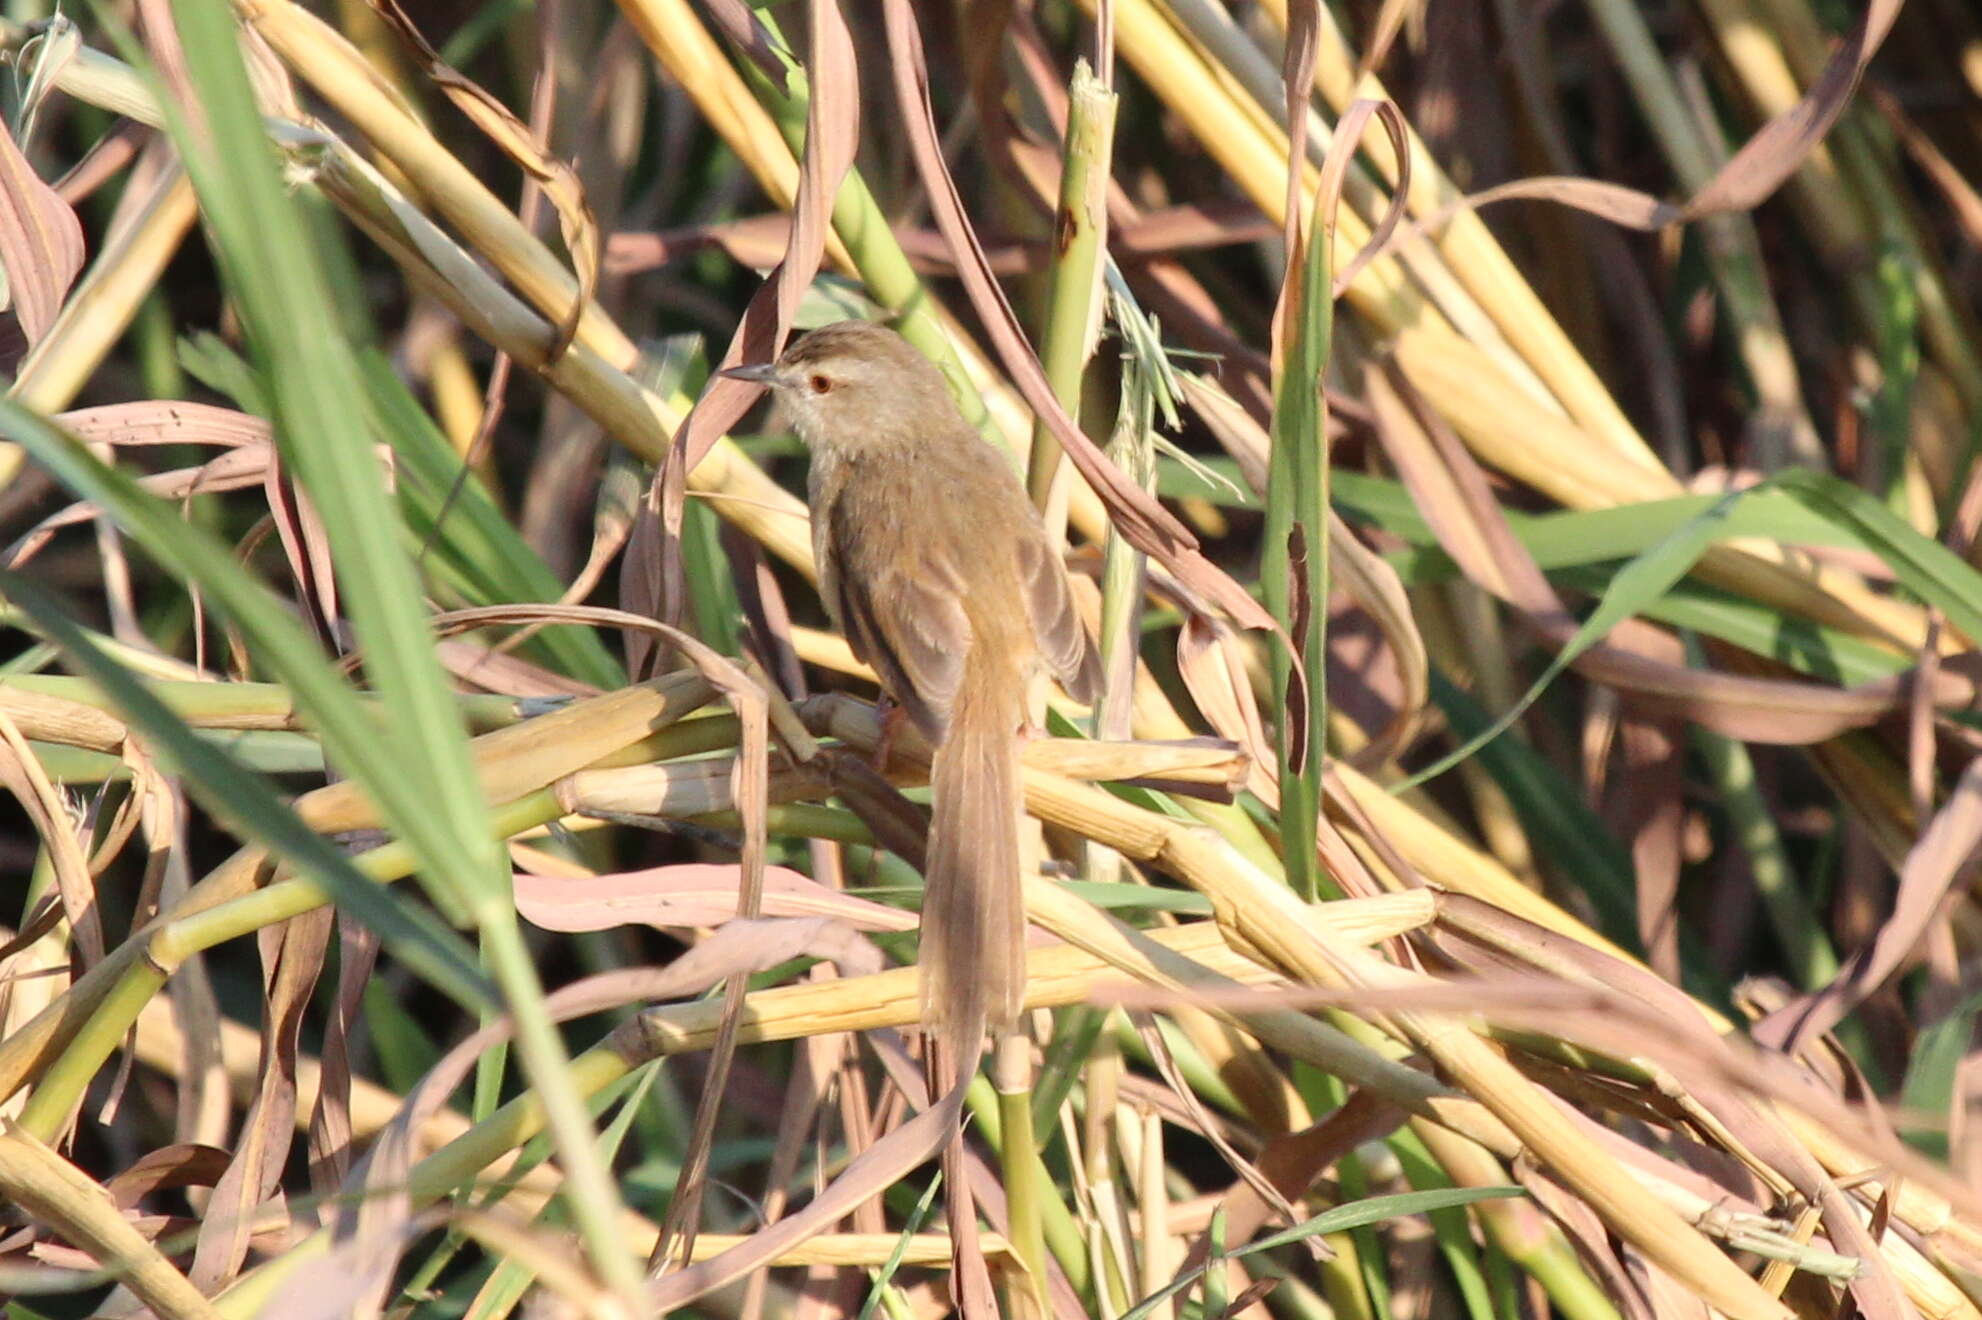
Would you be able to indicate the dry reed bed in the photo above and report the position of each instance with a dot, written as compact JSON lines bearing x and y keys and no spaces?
{"x":1455,"y":1008}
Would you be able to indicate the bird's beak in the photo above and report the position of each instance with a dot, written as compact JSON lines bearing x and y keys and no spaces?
{"x":758,"y":373}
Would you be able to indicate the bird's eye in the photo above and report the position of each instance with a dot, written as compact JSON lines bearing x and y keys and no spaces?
{"x":821,"y":384}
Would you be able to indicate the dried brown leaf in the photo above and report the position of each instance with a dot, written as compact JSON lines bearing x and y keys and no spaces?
{"x":1768,"y":158}
{"x":41,"y":241}
{"x":292,"y":958}
{"x":1743,"y":182}
{"x":165,"y":422}
{"x":187,"y":1164}
{"x":101,"y":163}
{"x":1212,"y":666}
{"x":330,"y":1122}
{"x":306,"y":547}
{"x":235,"y":469}
{"x":1945,"y":852}
{"x":1645,"y":807}
{"x":1373,"y":583}
{"x":1335,"y":168}
{"x":884,"y":1164}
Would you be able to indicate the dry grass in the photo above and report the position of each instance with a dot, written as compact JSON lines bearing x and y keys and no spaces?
{"x":1589,"y":935}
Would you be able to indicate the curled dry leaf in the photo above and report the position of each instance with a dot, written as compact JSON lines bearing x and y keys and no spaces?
{"x":1768,"y":158}
{"x":245,"y":438}
{"x":1946,"y":851}
{"x":1335,"y":168}
{"x":21,"y":774}
{"x":331,"y":1134}
{"x":1372,"y":583}
{"x":1212,"y":665}
{"x":306,"y":548}
{"x":165,"y":422}
{"x":1365,"y":575}
{"x":187,"y":1164}
{"x":832,"y":134}
{"x":293,"y":955}
{"x":41,"y":241}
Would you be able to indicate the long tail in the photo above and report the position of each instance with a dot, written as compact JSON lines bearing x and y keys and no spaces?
{"x":973,"y":913}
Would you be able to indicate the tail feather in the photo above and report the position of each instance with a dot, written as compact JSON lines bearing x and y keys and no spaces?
{"x":973,"y":912}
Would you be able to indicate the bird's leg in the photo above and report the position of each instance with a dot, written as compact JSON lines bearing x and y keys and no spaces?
{"x":891,"y":716}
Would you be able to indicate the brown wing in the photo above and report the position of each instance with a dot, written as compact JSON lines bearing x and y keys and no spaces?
{"x":1056,"y":625}
{"x":908,"y":622}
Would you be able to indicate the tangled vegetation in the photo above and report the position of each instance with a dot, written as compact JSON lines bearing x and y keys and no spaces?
{"x":1517,"y":460}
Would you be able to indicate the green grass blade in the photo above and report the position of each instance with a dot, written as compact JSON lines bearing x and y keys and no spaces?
{"x":276,"y":275}
{"x":1640,"y":583}
{"x":478,"y":552}
{"x":429,"y":792}
{"x":1294,"y":560}
{"x":1932,"y":1073}
{"x":245,"y":798}
{"x":1342,"y":1218}
{"x":1924,"y":566}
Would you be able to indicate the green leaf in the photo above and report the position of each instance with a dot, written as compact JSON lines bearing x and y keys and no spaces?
{"x":1294,"y":558}
{"x":1127,"y":897}
{"x":1924,"y":566}
{"x":1641,"y":582}
{"x":236,"y":795}
{"x":478,"y":552}
{"x":1449,"y":1225}
{"x":1341,"y":1219}
{"x":404,"y":1050}
{"x":417,"y":765}
{"x":917,"y":1217}
{"x":1931,"y":1072}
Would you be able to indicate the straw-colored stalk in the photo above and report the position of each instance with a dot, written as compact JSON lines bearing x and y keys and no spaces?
{"x":51,"y":1189}
{"x":671,"y":30}
{"x":1503,"y":424}
{"x":1262,"y":915}
{"x":1847,"y":191}
{"x":512,"y":763}
{"x":1224,"y":46}
{"x":62,"y":709}
{"x":1057,"y":976}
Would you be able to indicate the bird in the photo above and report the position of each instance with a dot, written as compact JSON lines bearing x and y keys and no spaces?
{"x":936,"y":567}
